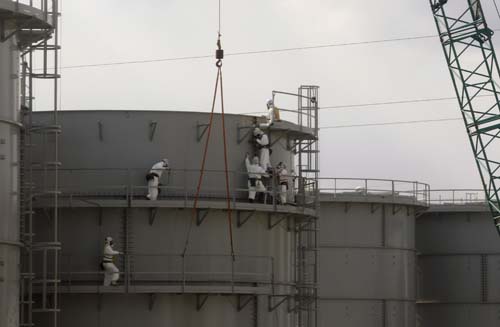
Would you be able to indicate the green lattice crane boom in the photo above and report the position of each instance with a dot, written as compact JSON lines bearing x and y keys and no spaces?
{"x":468,"y":48}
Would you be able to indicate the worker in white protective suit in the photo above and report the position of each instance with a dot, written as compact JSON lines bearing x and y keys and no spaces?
{"x":283,"y":182}
{"x":262,"y":142}
{"x":255,"y":174}
{"x":111,"y":272}
{"x":273,"y":114}
{"x":153,"y":178}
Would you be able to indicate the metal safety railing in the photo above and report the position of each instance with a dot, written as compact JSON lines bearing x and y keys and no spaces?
{"x":458,"y":196}
{"x":171,"y":269}
{"x":178,"y":184}
{"x":336,"y":188}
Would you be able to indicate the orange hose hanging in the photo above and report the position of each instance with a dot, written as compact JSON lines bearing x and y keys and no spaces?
{"x":219,"y":54}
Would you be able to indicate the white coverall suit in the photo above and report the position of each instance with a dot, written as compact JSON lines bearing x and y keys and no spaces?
{"x":272,"y":115}
{"x":263,"y":142}
{"x":154,"y":179}
{"x":111,"y":272}
{"x":255,"y":173}
{"x":283,"y":181}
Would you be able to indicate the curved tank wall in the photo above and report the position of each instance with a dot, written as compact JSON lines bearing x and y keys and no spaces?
{"x":9,"y":184}
{"x":458,"y":267}
{"x":367,"y":261}
{"x":104,"y":152}
{"x":108,"y":143}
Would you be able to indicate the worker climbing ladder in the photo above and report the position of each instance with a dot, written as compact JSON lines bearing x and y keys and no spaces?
{"x":472,"y":62}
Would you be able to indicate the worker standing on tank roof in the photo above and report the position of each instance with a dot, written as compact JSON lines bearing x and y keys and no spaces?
{"x":262,"y":142}
{"x":255,"y":173}
{"x":283,"y":182}
{"x":273,"y":114}
{"x":111,"y":272}
{"x":153,"y":178}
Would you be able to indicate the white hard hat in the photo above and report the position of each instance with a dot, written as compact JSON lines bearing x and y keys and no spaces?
{"x":255,"y":160}
{"x":165,"y":160}
{"x":108,"y":240}
{"x":270,"y":103}
{"x":257,"y":131}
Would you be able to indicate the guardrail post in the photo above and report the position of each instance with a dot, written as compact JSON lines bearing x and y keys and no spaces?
{"x":127,"y":273}
{"x":366,"y":188}
{"x":273,"y":185}
{"x":234,"y":188}
{"x":233,"y":260}
{"x":183,"y":273}
{"x":393,"y":191}
{"x":272,"y":275}
{"x":334,"y":188}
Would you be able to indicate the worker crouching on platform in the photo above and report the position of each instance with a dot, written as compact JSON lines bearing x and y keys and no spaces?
{"x":273,"y":114}
{"x":283,"y":177}
{"x":111,"y":272}
{"x":255,"y":174}
{"x":153,"y":178}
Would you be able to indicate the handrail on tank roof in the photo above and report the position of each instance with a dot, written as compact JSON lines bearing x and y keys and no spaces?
{"x":365,"y":188}
{"x":458,"y":196}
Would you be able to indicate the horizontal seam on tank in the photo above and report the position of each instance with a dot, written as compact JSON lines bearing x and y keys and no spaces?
{"x":366,"y":299}
{"x":365,"y":247}
{"x":11,"y":122}
{"x":424,"y":302}
{"x":455,"y":254}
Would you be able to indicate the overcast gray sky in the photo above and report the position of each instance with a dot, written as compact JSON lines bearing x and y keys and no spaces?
{"x":101,"y":31}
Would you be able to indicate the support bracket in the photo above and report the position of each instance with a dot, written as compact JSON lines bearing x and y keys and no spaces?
{"x":152,"y":300}
{"x":374,"y":207}
{"x":243,"y":135}
{"x":100,"y":128}
{"x":242,"y":220}
{"x":152,"y":130}
{"x":101,"y":214}
{"x":201,"y":129}
{"x":243,"y":301}
{"x":273,"y":305}
{"x":396,"y":209}
{"x":201,"y":299}
{"x":271,"y":224}
{"x":200,"y":216}
{"x":99,"y":302}
{"x":152,"y":215}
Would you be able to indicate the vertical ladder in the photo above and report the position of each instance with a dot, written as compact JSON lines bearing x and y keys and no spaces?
{"x":307,"y":151}
{"x":472,"y":62}
{"x":40,"y":60}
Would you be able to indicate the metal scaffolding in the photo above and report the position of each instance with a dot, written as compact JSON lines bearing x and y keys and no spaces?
{"x":38,"y":43}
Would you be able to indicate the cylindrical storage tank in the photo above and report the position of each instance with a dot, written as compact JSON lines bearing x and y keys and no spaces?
{"x":9,"y":183}
{"x":176,"y":268}
{"x":367,"y":253}
{"x":458,"y":266}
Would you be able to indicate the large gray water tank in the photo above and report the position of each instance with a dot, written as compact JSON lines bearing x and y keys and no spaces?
{"x":367,"y":254}
{"x":458,"y":267}
{"x":105,"y":155}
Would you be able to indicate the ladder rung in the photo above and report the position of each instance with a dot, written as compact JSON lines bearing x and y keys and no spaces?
{"x":46,"y":310}
{"x":48,"y":281}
